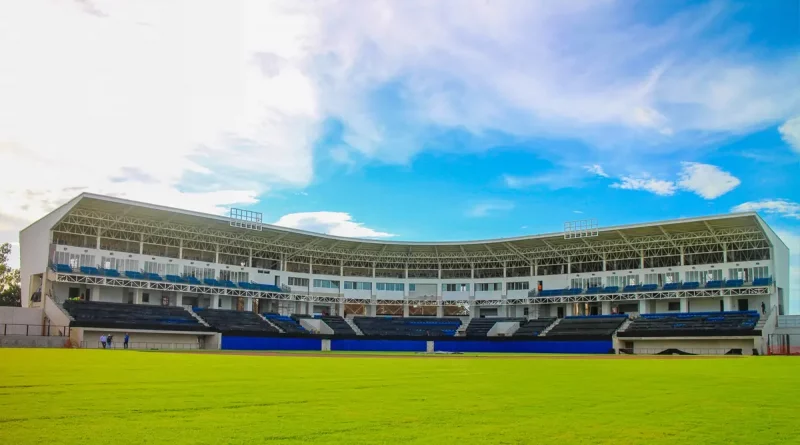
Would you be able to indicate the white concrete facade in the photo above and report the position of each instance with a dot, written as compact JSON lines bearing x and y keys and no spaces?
{"x":508,"y":294}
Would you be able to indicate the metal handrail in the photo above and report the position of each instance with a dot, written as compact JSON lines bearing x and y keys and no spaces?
{"x":30,"y":330}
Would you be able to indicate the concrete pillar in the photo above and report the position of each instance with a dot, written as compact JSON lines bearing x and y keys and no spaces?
{"x":440,"y":310}
{"x":570,"y":309}
{"x":214,"y":302}
{"x":96,"y":293}
{"x":341,"y":309}
{"x":473,"y":308}
{"x":179,"y":299}
{"x":137,"y":296}
{"x":180,"y":248}
{"x":727,"y":301}
{"x":605,"y":308}
{"x":97,"y":240}
{"x":248,"y":304}
{"x":684,"y":305}
{"x":643,"y":307}
{"x":405,"y":309}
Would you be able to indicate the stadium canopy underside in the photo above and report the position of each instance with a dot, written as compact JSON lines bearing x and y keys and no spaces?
{"x":655,"y":245}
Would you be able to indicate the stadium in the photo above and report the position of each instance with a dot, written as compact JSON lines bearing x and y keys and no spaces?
{"x":174,"y":326}
{"x":176,"y":279}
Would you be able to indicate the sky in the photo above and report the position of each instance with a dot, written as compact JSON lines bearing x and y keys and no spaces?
{"x":406,"y":119}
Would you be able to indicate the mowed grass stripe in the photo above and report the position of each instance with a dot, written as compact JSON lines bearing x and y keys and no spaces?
{"x":101,"y":397}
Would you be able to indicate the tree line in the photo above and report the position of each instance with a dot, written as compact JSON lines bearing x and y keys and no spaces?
{"x":10,"y":290}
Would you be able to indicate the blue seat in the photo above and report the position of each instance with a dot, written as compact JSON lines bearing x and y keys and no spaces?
{"x":226,"y":283}
{"x":672,"y":286}
{"x":762,"y":281}
{"x":211,"y":282}
{"x":649,"y":287}
{"x":111,"y":273}
{"x":89,"y":270}
{"x":174,"y":278}
{"x":63,"y":268}
{"x":132,"y":274}
{"x":594,"y":290}
{"x":734,"y":283}
{"x":153,"y":277}
{"x":611,"y":289}
{"x":713,"y":284}
{"x":192,"y":280}
{"x":691,"y":285}
{"x":575,"y":291}
{"x":631,"y":288}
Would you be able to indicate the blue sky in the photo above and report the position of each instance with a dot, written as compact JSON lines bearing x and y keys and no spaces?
{"x":408,"y":120}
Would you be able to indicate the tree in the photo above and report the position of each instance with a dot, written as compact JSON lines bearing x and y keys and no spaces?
{"x":10,"y":290}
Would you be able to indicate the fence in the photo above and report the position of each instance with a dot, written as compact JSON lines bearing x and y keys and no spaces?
{"x":142,"y":345}
{"x":30,"y":330}
{"x":783,"y":344}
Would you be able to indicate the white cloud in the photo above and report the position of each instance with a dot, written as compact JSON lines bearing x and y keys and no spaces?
{"x":782,"y":207}
{"x":200,"y":107}
{"x":330,"y":223}
{"x":482,"y":209}
{"x":596,"y":169}
{"x":656,"y":186}
{"x":790,"y":132}
{"x":526,"y":72}
{"x":707,"y":181}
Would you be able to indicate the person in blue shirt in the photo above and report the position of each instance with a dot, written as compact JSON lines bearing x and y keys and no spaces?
{"x":125,"y":340}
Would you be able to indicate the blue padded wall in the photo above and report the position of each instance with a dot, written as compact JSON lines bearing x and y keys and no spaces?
{"x":378,"y":345}
{"x":271,"y":343}
{"x":541,"y":347}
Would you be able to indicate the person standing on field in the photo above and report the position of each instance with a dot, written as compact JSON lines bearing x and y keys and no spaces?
{"x":125,"y":341}
{"x":103,"y":340}
{"x":109,"y":340}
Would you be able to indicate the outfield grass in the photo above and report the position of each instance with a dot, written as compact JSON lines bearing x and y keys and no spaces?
{"x":123,"y":397}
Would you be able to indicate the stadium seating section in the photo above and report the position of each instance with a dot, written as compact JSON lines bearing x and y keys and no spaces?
{"x":479,"y":327}
{"x":595,"y":326}
{"x":689,"y":285}
{"x":339,"y":326}
{"x":234,"y":321}
{"x":131,"y":316}
{"x":532,"y":328}
{"x":407,"y":326}
{"x":287,"y":324}
{"x":693,"y":324}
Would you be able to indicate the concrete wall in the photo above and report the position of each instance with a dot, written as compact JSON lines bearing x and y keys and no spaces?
{"x":21,"y":315}
{"x":780,"y":269}
{"x":35,"y":247}
{"x":146,"y":340}
{"x":696,"y":346}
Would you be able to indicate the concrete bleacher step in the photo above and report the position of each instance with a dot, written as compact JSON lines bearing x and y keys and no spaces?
{"x":462,"y":330}
{"x":549,"y":328}
{"x":625,"y":325}
{"x":352,"y":324}
{"x":271,"y":324}
{"x":194,"y":314}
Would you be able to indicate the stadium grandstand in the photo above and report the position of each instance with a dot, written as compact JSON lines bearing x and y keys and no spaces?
{"x":183,"y":279}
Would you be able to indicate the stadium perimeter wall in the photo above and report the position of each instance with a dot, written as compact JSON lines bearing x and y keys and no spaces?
{"x":230,"y":342}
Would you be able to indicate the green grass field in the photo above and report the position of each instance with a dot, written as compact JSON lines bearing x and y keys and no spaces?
{"x":121,"y":397}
